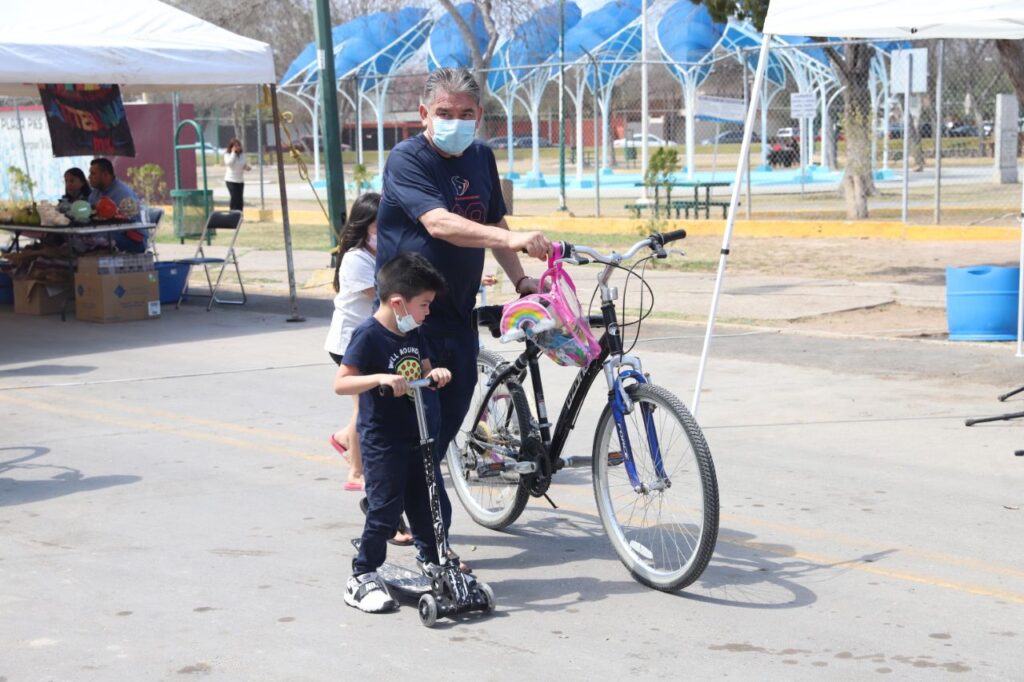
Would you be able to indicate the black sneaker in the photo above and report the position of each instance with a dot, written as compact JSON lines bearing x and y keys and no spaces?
{"x":367,"y":592}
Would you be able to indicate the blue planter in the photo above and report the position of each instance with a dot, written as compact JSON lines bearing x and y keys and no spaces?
{"x":981,"y":303}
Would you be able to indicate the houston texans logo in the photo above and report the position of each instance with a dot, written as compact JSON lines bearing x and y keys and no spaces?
{"x":461,"y":185}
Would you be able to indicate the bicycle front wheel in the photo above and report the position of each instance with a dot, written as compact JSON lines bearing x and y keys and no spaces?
{"x":499,"y":421}
{"x":664,"y":529}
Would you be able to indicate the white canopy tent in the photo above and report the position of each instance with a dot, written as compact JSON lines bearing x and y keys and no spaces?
{"x":141,"y":45}
{"x":917,"y":19}
{"x":144,"y":45}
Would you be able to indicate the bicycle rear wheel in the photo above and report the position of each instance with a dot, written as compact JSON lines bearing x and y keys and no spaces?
{"x":664,"y":533}
{"x":499,"y":421}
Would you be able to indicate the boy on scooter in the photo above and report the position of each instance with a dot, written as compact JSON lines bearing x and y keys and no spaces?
{"x":387,"y":350}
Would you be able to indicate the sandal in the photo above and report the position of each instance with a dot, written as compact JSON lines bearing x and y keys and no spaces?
{"x":364,"y":506}
{"x":342,"y":450}
{"x":402,"y":530}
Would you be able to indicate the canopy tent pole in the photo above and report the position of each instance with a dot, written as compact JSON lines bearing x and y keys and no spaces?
{"x":1020,"y":284}
{"x":741,"y":168}
{"x":284,"y":208}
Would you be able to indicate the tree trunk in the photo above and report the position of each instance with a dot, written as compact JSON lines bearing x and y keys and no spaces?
{"x":858,"y":180}
{"x":854,"y":69}
{"x":1011,"y":54}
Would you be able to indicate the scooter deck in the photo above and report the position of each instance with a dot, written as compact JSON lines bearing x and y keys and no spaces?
{"x":403,"y":579}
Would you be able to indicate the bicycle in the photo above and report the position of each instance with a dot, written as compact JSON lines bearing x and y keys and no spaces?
{"x":650,"y":459}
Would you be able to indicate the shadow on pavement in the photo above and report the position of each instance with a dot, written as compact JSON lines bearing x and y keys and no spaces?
{"x":67,"y":482}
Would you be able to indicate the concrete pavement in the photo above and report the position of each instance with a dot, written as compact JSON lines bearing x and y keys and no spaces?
{"x":169,"y":508}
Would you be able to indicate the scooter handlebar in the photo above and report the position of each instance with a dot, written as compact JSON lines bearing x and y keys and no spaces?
{"x":428,"y":382}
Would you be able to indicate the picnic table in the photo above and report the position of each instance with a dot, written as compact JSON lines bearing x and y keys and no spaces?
{"x":678,"y":206}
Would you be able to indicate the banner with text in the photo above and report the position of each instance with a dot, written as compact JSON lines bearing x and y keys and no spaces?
{"x":86,"y":120}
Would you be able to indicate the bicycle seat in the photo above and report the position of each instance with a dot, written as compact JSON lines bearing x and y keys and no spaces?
{"x":489,"y":316}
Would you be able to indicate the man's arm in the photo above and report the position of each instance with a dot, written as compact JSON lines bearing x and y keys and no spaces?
{"x":509,"y":262}
{"x":452,"y":228}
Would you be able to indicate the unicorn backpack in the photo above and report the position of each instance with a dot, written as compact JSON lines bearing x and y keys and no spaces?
{"x":554,"y":319}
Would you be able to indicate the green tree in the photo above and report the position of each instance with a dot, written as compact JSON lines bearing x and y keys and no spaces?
{"x":148,"y":183}
{"x":1011,"y":54}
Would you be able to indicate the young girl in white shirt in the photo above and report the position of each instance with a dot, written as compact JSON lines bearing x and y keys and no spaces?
{"x":354,"y":282}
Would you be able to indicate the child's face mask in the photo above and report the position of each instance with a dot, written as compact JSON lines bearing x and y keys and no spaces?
{"x":406,"y":323}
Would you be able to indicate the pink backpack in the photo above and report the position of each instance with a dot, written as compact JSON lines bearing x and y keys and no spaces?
{"x":554,"y":320}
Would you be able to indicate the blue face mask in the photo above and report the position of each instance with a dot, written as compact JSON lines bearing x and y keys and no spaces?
{"x":453,"y":136}
{"x":406,"y":323}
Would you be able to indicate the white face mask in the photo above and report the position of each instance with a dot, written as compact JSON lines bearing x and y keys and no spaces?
{"x":371,"y":242}
{"x":406,"y":323}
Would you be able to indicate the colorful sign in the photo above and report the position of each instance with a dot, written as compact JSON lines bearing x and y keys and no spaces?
{"x":87,"y":120}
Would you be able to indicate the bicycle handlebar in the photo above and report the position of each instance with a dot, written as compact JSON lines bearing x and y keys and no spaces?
{"x":655,"y":242}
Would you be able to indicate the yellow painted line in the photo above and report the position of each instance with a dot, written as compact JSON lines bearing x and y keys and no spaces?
{"x":974,"y":564}
{"x":856,"y":565}
{"x":874,"y":569}
{"x":110,"y":405}
{"x":103,"y":417}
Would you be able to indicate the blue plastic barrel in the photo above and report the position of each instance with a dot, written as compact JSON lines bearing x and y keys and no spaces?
{"x":172,"y":276}
{"x":981,"y":303}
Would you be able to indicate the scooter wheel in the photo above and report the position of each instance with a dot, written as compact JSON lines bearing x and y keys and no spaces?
{"x":428,"y":610}
{"x":488,"y":593}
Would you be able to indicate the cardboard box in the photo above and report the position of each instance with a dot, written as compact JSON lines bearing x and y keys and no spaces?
{"x":116,"y":298}
{"x":33,"y":297}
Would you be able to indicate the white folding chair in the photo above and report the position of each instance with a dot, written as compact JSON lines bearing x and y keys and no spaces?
{"x":218,"y":220}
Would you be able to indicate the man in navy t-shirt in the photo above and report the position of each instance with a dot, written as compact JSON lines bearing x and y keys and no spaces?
{"x":441,"y":197}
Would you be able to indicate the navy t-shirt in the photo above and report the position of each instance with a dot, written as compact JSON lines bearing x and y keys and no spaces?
{"x":385,"y":421}
{"x":418,"y":179}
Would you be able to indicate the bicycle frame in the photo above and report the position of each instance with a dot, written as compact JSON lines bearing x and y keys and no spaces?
{"x":618,"y":368}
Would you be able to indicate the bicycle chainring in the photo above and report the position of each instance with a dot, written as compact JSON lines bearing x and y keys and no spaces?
{"x":539,"y":481}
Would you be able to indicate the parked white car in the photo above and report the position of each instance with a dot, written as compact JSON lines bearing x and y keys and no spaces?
{"x":637,"y":140}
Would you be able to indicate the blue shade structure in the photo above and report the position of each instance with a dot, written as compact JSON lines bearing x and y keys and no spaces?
{"x":519,"y":73}
{"x":446,"y":46}
{"x":686,"y":37}
{"x":368,"y":50}
{"x":611,"y":35}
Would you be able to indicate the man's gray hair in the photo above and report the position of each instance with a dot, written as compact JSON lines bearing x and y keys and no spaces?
{"x":452,"y":81}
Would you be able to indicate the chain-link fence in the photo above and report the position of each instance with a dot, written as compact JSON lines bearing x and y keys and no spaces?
{"x":836,"y":135}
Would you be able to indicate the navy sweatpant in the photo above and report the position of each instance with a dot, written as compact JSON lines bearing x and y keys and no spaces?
{"x":394,"y":481}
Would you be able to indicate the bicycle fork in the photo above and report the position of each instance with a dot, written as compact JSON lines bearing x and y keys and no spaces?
{"x":622,"y":405}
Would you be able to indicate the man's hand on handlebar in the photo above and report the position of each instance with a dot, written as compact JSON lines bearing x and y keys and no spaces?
{"x":534,"y":243}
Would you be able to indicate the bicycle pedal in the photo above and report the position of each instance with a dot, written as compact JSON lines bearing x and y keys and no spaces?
{"x":490,"y":469}
{"x":525,"y":467}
